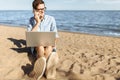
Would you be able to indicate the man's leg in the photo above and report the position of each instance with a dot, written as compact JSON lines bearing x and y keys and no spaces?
{"x":48,"y":51}
{"x":51,"y":63}
{"x":40,"y":64}
{"x":40,"y":51}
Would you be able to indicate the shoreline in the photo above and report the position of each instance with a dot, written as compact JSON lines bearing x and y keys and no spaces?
{"x":7,"y":25}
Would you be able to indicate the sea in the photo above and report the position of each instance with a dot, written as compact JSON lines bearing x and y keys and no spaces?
{"x":98,"y":22}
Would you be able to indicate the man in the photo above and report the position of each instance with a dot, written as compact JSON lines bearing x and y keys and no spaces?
{"x":42,"y":22}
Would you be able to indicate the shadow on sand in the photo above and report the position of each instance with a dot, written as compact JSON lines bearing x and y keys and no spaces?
{"x":20,"y":49}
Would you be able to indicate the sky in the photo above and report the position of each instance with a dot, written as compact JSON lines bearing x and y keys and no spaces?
{"x":62,"y":4}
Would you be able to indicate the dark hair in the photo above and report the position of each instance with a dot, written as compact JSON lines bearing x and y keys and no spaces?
{"x":36,"y":3}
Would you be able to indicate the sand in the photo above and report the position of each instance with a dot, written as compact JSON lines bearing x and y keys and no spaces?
{"x":82,"y":56}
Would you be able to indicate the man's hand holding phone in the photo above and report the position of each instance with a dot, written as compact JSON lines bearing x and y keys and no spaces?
{"x":37,"y":16}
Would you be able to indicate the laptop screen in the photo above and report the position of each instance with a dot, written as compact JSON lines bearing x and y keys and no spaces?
{"x":40,"y":39}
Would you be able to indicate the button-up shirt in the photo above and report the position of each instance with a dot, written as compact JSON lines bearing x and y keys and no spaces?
{"x":47,"y":24}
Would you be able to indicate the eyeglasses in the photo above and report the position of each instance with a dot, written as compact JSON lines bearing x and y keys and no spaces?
{"x":41,"y":9}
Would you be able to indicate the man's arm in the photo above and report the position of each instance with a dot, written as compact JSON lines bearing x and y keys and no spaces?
{"x":35,"y":28}
{"x":38,"y":21}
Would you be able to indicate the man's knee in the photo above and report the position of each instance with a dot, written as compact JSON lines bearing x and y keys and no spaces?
{"x":40,"y":48}
{"x":49,"y":48}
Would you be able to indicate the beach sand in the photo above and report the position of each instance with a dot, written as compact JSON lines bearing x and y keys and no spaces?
{"x":82,"y":56}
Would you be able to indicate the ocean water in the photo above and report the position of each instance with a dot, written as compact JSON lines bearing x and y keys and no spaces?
{"x":106,"y":23}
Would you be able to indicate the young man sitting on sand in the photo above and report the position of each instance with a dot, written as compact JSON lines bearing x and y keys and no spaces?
{"x":46,"y":58}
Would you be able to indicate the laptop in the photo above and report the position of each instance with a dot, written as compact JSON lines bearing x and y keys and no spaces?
{"x":40,"y":38}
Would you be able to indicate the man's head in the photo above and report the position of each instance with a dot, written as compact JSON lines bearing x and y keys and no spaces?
{"x":39,"y":6}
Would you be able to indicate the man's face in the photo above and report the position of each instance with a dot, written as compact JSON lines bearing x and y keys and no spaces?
{"x":40,"y":9}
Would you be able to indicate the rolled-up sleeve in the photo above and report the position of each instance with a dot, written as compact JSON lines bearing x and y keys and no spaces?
{"x":53,"y":27}
{"x":29,"y":27}
{"x":31,"y":24}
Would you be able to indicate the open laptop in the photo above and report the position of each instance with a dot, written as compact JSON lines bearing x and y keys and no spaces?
{"x":40,"y":38}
